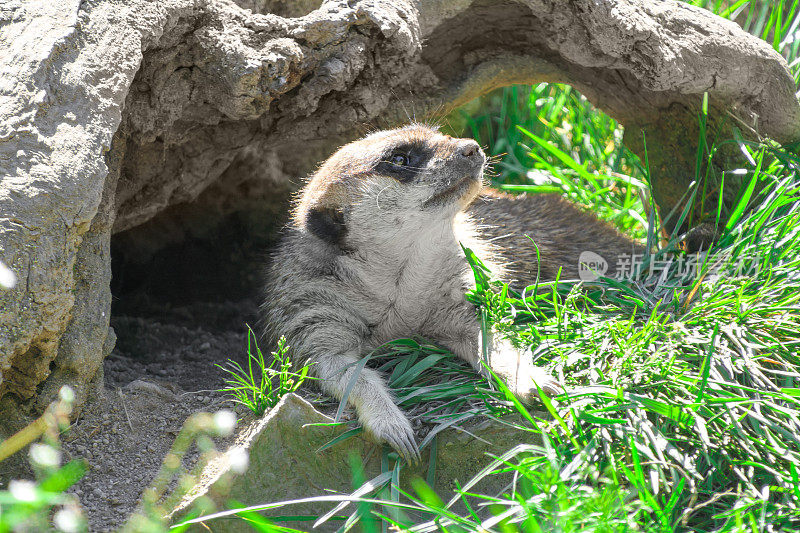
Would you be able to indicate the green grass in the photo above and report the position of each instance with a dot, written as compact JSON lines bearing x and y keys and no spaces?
{"x":683,"y":403}
{"x":685,"y":388}
{"x":549,"y":138}
{"x":266,"y":380}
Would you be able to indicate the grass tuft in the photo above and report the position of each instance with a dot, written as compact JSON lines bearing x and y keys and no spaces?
{"x":266,"y":380}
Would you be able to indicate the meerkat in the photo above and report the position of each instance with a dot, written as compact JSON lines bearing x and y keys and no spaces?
{"x":373,"y":253}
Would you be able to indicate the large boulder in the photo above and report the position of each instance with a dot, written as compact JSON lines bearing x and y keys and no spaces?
{"x":292,"y":454}
{"x":112,"y":111}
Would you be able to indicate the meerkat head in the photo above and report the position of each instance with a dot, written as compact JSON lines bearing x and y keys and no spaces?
{"x":404,"y":178}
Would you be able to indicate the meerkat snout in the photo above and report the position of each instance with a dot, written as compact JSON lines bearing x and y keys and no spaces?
{"x":470,"y":149}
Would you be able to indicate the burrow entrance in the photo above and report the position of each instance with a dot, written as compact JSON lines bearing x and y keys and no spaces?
{"x":186,"y":286}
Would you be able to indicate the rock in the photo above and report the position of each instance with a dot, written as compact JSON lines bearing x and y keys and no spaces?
{"x":163,"y":118}
{"x":285,"y":463}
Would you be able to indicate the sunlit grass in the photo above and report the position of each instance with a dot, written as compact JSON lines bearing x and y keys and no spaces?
{"x":266,"y":379}
{"x":549,"y":138}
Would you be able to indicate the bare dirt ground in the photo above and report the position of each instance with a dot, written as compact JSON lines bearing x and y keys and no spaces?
{"x":161,"y":371}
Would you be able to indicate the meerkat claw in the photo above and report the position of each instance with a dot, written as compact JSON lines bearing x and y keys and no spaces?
{"x":395,"y":430}
{"x":551,"y":387}
{"x":526,"y":387}
{"x":532,"y":376}
{"x":407,"y":448}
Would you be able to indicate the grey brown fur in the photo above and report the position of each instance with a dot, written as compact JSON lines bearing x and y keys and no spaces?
{"x":560,"y":230}
{"x":372,"y":254}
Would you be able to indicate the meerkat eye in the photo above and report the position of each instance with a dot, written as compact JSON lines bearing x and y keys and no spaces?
{"x":401,"y":160}
{"x":404,"y":161}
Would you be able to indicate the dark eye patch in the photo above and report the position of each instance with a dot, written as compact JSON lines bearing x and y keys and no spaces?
{"x":405,"y":161}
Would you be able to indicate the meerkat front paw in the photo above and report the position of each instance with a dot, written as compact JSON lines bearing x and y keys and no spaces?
{"x":526,"y":379}
{"x":394,"y":429}
{"x":515,"y":367}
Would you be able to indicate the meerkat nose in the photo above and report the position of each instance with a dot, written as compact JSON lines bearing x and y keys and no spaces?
{"x":470,"y":148}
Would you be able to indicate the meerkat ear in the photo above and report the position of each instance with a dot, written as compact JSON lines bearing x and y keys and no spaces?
{"x":327,"y":223}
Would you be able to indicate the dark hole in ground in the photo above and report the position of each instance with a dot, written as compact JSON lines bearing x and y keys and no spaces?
{"x":186,"y":286}
{"x":156,"y":264}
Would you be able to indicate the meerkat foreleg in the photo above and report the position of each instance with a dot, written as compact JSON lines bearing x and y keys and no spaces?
{"x":334,"y":347}
{"x":512,"y":365}
{"x":371,"y":398}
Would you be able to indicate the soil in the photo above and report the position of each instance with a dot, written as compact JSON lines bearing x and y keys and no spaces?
{"x":160,"y":372}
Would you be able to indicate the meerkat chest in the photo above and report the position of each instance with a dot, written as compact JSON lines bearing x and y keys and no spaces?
{"x":400,"y":295}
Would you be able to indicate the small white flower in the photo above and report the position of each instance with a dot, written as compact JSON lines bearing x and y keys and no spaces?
{"x":225,"y":421}
{"x":66,"y":394}
{"x":67,"y":520}
{"x":239,"y":459}
{"x":45,"y":456}
{"x":24,"y":491}
{"x":7,"y":278}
